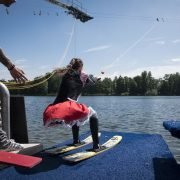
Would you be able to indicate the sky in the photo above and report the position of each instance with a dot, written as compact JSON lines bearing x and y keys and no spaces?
{"x":125,"y":37}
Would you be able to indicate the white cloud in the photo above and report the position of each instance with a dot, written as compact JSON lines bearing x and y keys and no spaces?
{"x":109,"y":66}
{"x":99,"y":48}
{"x":20,"y":61}
{"x":153,"y":39}
{"x":157,"y":71}
{"x":176,"y":60}
{"x":160,"y":42}
{"x":176,"y":41}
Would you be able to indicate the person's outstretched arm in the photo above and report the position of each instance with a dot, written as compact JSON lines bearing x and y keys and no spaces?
{"x":15,"y":72}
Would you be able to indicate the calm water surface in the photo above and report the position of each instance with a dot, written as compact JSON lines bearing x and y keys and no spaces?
{"x":120,"y":114}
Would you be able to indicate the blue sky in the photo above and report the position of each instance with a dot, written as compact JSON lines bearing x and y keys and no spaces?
{"x":124,"y":38}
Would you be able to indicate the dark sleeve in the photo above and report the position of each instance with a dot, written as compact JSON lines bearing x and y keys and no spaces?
{"x":91,"y":80}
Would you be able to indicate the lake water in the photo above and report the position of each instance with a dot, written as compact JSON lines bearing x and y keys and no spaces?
{"x":116,"y":113}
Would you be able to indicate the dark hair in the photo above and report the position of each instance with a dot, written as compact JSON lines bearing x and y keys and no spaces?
{"x":75,"y":63}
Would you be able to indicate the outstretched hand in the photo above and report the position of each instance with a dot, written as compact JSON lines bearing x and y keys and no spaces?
{"x":18,"y":75}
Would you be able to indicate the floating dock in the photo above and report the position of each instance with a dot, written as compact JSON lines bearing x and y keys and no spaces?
{"x":137,"y":157}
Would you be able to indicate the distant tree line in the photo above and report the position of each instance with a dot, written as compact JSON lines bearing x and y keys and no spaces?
{"x":141,"y":85}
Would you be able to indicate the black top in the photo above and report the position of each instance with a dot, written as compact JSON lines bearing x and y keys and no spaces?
{"x":71,"y":87}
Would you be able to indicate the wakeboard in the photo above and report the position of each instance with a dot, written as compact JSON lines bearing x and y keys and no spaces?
{"x":70,"y":147}
{"x":88,"y":154}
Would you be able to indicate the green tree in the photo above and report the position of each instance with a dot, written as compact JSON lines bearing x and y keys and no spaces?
{"x":138,"y":90}
{"x":107,"y":86}
{"x":144,"y":82}
{"x":120,"y":85}
{"x":133,"y":90}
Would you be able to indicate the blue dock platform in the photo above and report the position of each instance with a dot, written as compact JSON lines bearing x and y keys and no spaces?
{"x":137,"y":157}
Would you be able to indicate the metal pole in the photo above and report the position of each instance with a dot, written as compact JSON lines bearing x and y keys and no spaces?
{"x":5,"y":108}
